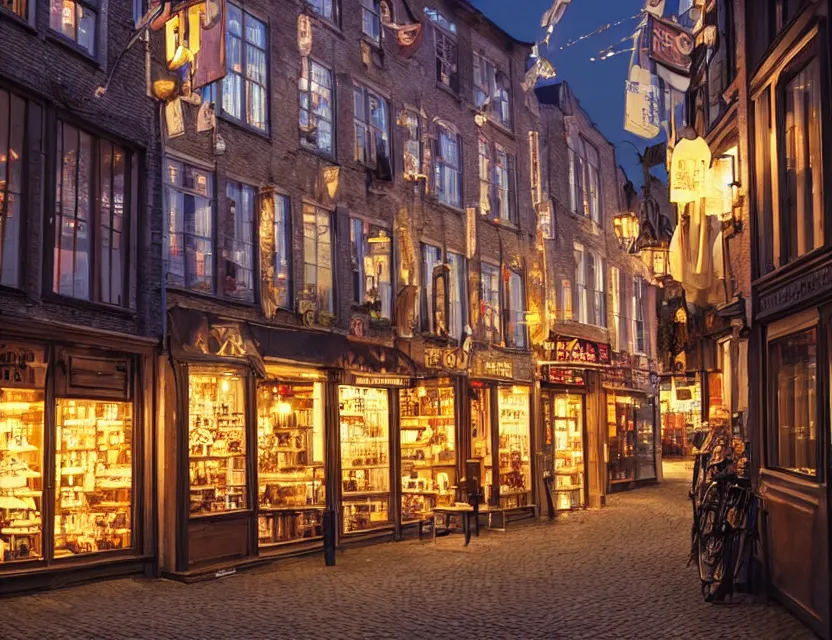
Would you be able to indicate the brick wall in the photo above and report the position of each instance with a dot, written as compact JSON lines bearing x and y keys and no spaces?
{"x":570,"y":227}
{"x":59,"y":82}
{"x":277,"y":159}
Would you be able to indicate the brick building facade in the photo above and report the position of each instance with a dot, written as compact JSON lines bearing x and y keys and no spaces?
{"x":80,"y":298}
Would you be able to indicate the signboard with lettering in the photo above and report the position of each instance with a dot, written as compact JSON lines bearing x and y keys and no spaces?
{"x":450,"y":358}
{"x":559,"y":375}
{"x":583,"y":351}
{"x":496,"y":365}
{"x":670,"y":45}
{"x":21,"y":365}
{"x":370,"y":380}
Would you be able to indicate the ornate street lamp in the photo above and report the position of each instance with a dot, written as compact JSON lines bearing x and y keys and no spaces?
{"x":626,"y":229}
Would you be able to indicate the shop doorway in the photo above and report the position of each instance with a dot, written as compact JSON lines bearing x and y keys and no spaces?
{"x":681,"y":411}
{"x":568,"y":426}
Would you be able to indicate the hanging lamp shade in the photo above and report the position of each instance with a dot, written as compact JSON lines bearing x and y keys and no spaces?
{"x":688,"y":170}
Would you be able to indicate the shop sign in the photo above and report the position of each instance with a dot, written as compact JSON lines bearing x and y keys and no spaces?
{"x":21,"y":365}
{"x":498,"y":369}
{"x":558,"y":375}
{"x":450,"y":358}
{"x":617,"y":378}
{"x":670,"y":45}
{"x":369,"y":380}
{"x":584,"y":351}
{"x":813,"y":284}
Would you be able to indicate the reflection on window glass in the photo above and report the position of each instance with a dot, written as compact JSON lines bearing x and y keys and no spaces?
{"x":238,"y":241}
{"x":12,"y":122}
{"x":371,"y":250}
{"x":316,"y":109}
{"x":21,"y":474}
{"x":793,"y":362}
{"x":491,"y":306}
{"x":317,"y":257}
{"x":245,"y":86}
{"x":216,"y":443}
{"x":76,"y":19}
{"x":94,"y":476}
{"x":515,"y":446}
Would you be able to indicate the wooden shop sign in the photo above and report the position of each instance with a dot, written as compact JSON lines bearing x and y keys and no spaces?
{"x":813,"y":284}
{"x":21,"y":365}
{"x":583,"y":351}
{"x":559,"y":375}
{"x":670,"y":45}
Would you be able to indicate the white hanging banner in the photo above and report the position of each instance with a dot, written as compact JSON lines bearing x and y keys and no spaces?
{"x":641,"y":111}
{"x":688,"y":170}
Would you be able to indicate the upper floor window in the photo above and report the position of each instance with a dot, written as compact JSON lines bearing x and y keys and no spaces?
{"x":412,"y":148}
{"x":190,"y":201}
{"x":515,"y":312}
{"x":238,"y":241}
{"x":372,"y":131}
{"x":281,"y":260}
{"x":788,"y":131}
{"x":245,"y":87}
{"x":371,"y":20}
{"x":458,"y":294}
{"x":371,"y":252}
{"x":445,"y":48}
{"x":317,"y":257}
{"x":77,"y":20}
{"x":492,"y":308}
{"x":23,"y":8}
{"x":139,"y":8}
{"x":91,"y":188}
{"x":580,"y":306}
{"x":618,"y":336}
{"x":12,"y":127}
{"x":639,"y":344}
{"x":492,"y":90}
{"x":433,"y":320}
{"x":584,"y":179}
{"x":325,"y":8}
{"x":497,"y":181}
{"x":596,"y":290}
{"x":316,"y":109}
{"x":448,"y":170}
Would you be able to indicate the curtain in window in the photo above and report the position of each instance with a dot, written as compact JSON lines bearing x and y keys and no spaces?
{"x":457,"y":294}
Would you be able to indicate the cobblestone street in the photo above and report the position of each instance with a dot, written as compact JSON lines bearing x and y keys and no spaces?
{"x":615,"y":573}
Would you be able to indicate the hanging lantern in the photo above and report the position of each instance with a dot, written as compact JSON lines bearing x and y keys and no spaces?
{"x":626,"y":228}
{"x":688,"y":170}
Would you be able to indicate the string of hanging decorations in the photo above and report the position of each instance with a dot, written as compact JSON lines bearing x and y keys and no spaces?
{"x":606,"y":27}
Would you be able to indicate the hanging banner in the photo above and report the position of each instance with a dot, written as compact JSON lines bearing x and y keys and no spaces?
{"x":688,"y":170}
{"x":641,"y":111}
{"x":670,"y":45}
{"x":174,"y":119}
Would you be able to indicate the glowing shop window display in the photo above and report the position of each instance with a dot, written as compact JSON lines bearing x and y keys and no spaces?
{"x":217,"y":443}
{"x":427,"y":422}
{"x":21,"y":480}
{"x":290,"y":465}
{"x":569,"y":451}
{"x":365,"y":461}
{"x":93,"y":476}
{"x":480,"y":406}
{"x":515,"y":446}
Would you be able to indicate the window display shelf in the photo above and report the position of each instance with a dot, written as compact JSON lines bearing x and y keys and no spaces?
{"x":347,"y":495}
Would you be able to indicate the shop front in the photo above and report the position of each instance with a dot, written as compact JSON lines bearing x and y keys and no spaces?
{"x":501,"y":437}
{"x":631,"y":427}
{"x":74,"y":446}
{"x":563,"y":411}
{"x":680,"y":398}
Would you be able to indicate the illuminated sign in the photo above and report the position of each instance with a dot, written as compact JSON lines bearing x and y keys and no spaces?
{"x":583,"y":351}
{"x":557,"y":375}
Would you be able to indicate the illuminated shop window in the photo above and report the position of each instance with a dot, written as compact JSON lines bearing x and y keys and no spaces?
{"x":515,"y":446}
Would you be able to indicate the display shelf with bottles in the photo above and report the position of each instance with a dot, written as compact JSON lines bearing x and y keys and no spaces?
{"x":365,"y":458}
{"x":94,"y":476}
{"x":21,"y":480}
{"x":217,"y":443}
{"x":427,"y":422}
{"x":290,"y":444}
{"x":515,"y":446}
{"x":481,"y":449}
{"x":621,"y":439}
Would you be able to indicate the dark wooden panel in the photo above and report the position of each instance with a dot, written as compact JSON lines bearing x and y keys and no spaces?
{"x":215,"y":539}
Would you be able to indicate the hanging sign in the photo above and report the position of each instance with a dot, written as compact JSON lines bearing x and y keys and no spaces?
{"x":559,"y":375}
{"x":688,"y":170}
{"x":670,"y":45}
{"x":577,"y":350}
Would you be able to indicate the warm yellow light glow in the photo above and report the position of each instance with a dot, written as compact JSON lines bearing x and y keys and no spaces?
{"x":284,"y":408}
{"x":224,"y":386}
{"x":688,"y":170}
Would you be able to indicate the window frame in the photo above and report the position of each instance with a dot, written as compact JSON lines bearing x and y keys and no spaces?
{"x":94,"y":220}
{"x":223,"y":238}
{"x":639,"y":318}
{"x":21,"y":197}
{"x":359,"y":249}
{"x":458,"y":281}
{"x":491,"y":72}
{"x":289,"y":242}
{"x":618,"y":317}
{"x":331,"y":152}
{"x":579,"y":290}
{"x":318,"y":212}
{"x":408,"y":140}
{"x":211,"y":197}
{"x":780,"y":332}
{"x":496,"y":325}
{"x":93,"y":6}
{"x":29,"y":17}
{"x":428,"y":295}
{"x":220,"y":87}
{"x":448,"y":36}
{"x":371,"y":128}
{"x":336,"y":13}
{"x":374,"y":11}
{"x":516,"y":330}
{"x":582,"y":200}
{"x":441,"y":165}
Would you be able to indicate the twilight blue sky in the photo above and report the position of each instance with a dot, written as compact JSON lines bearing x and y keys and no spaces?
{"x":598,"y":85}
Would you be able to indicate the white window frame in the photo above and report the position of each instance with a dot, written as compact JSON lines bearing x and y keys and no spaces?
{"x":495,"y":323}
{"x":231,"y":255}
{"x":639,"y":319}
{"x":320,"y":218}
{"x":449,"y":173}
{"x":580,"y":314}
{"x":313,"y":117}
{"x":242,"y":74}
{"x":458,"y":294}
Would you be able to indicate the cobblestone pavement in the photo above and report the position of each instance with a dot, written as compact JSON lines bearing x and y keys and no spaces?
{"x":615,"y":573}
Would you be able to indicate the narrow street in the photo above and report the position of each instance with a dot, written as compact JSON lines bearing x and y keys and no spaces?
{"x":615,"y":573}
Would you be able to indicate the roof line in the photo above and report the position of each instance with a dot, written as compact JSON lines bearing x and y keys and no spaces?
{"x":469,"y":6}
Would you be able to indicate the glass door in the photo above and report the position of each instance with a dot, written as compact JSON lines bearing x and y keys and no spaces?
{"x":481,"y":443}
{"x":515,"y":446}
{"x":365,"y":461}
{"x":568,"y":427}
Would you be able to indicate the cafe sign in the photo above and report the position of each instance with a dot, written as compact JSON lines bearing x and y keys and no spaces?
{"x":581,"y":351}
